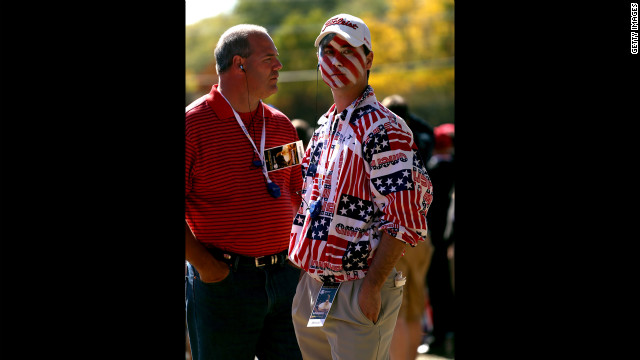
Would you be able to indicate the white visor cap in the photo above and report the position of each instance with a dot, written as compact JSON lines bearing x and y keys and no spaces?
{"x":351,"y":28}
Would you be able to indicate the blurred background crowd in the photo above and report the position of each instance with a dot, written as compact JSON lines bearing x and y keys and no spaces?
{"x":412,"y":75}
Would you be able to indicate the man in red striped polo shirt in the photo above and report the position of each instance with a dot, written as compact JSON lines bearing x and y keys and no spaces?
{"x":239,"y":287}
{"x":365,"y":197}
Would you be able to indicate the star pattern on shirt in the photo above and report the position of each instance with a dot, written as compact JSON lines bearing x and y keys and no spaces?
{"x":319,"y":228}
{"x":360,"y":112}
{"x":394,"y":182}
{"x":356,"y":255}
{"x":375,"y":144}
{"x":314,"y":159}
{"x":355,"y":208}
{"x":299,"y":219}
{"x":417,"y":161}
{"x":328,"y":278}
{"x":384,"y":150}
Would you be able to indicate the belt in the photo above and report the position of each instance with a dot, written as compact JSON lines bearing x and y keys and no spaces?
{"x":236,"y":260}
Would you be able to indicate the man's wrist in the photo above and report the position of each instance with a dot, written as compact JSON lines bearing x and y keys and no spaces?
{"x":371,"y":283}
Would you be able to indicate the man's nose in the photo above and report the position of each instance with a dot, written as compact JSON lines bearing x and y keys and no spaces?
{"x":278,"y":65}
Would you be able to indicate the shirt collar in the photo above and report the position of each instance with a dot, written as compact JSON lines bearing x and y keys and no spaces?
{"x":221,"y":107}
{"x":218,"y":104}
{"x":367,"y":97}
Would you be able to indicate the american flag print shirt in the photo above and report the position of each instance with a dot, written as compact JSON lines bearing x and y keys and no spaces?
{"x":368,"y":173}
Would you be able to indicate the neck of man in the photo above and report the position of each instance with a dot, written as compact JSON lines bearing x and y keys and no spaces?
{"x":345,"y":96}
{"x":235,"y":90}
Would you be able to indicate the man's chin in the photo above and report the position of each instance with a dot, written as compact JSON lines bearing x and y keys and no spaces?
{"x":272,"y":90}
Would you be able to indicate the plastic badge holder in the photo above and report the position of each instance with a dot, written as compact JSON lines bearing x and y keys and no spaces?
{"x":321,"y":309}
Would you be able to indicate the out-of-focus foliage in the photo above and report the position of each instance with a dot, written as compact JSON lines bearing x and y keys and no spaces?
{"x":413,"y":45}
{"x":272,"y":13}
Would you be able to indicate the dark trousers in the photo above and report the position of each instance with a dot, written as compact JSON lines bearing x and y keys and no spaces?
{"x":245,"y":315}
{"x":441,"y":295}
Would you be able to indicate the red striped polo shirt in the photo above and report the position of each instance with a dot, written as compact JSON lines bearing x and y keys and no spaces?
{"x":226,"y":200}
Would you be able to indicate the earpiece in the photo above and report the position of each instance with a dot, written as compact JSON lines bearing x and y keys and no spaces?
{"x":241,"y":67}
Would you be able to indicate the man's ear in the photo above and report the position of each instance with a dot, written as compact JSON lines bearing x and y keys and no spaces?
{"x":237,"y":61}
{"x":369,"y":62}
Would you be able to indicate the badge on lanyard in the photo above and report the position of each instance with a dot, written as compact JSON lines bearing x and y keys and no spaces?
{"x":323,"y":304}
{"x":281,"y":157}
{"x":272,"y":188}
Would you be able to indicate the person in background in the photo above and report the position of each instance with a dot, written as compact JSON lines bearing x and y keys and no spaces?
{"x":449,"y":235}
{"x":305,"y":131}
{"x":422,"y":131}
{"x":239,"y":287}
{"x":439,"y":282}
{"x":408,"y":334}
{"x":365,"y":197}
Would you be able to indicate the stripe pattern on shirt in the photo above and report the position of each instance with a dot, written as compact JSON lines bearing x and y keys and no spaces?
{"x":374,"y":181}
{"x":226,"y":200}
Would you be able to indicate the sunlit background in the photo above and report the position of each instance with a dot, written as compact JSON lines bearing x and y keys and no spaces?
{"x":413,"y":45}
{"x":197,"y":10}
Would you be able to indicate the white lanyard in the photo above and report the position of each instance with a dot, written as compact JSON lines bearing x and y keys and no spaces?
{"x":328,"y":141}
{"x":244,"y":129}
{"x":316,"y":206}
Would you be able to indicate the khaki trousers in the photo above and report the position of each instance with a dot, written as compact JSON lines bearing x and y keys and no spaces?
{"x":347,"y":334}
{"x":414,"y":265}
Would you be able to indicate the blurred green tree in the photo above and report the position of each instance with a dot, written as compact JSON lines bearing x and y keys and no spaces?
{"x":413,"y":43}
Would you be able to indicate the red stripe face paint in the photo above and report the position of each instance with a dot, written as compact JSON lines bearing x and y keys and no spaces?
{"x":340,"y":63}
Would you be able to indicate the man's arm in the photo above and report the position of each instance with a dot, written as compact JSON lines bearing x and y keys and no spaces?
{"x":387,"y":255}
{"x":210,"y":269}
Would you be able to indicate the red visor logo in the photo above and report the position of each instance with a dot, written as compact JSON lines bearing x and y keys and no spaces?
{"x":340,"y":21}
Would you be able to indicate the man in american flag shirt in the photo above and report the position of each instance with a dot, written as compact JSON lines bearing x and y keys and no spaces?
{"x":365,"y":197}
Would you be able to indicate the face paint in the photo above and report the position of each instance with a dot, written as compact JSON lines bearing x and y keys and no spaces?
{"x":340,"y":63}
